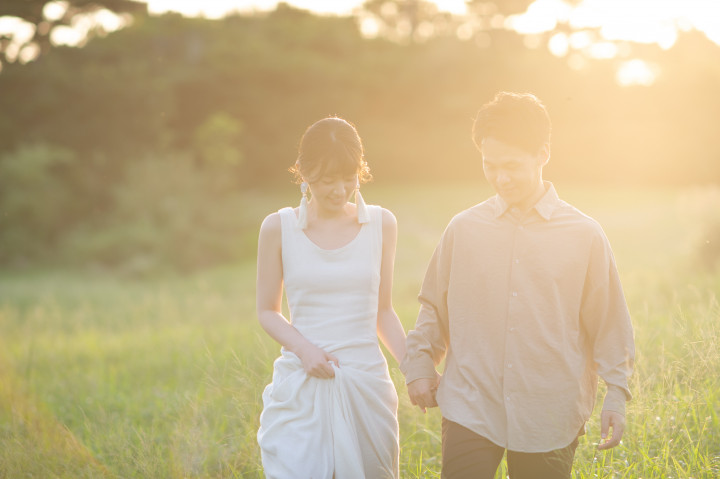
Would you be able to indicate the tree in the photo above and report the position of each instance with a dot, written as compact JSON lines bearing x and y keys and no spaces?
{"x":401,"y":20}
{"x":35,"y":13}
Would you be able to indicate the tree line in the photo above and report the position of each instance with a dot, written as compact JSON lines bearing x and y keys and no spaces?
{"x":135,"y":148}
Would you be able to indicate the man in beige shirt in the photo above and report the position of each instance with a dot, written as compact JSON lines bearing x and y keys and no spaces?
{"x":523,"y":301}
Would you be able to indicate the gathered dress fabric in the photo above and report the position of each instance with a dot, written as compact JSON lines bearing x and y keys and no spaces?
{"x":344,"y":427}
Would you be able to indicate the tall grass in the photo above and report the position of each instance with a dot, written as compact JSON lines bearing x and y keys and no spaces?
{"x":161,"y":377}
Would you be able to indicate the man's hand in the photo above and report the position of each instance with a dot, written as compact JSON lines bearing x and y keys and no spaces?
{"x":608,"y":420}
{"x":422,"y":392}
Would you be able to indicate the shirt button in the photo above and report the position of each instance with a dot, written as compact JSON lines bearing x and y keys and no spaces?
{"x":507,"y":398}
{"x":510,"y":365}
{"x":512,"y":329}
{"x":517,"y":261}
{"x":514,"y":293}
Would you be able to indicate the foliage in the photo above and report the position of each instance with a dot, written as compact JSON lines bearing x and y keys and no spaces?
{"x":162,"y":377}
{"x":37,"y":200}
{"x":236,"y":94}
{"x":709,"y":254}
{"x":706,"y":205}
{"x":218,"y":140}
{"x":33,"y":11}
{"x":170,"y":212}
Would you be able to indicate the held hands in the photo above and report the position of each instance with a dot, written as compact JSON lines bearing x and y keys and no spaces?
{"x":614,"y":420}
{"x":422,"y":392}
{"x":317,"y":362}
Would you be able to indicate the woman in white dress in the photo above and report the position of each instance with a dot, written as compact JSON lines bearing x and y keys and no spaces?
{"x":331,"y":409}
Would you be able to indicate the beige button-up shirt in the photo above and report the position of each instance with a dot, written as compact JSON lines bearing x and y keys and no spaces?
{"x":527,"y":311}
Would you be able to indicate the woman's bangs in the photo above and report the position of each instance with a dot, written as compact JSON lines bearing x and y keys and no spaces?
{"x":341,"y":164}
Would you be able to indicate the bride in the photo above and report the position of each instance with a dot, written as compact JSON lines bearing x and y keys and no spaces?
{"x":331,"y":408}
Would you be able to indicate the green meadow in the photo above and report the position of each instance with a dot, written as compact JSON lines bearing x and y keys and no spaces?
{"x":113,"y":376}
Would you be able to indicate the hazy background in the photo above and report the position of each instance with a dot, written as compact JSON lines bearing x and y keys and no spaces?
{"x":140,"y":149}
{"x":135,"y":140}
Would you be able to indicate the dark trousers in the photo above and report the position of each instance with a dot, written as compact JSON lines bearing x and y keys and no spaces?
{"x":467,"y":455}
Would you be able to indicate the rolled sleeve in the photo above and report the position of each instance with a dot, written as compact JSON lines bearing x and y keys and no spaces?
{"x":606,"y":319}
{"x":615,"y":399}
{"x":428,"y":342}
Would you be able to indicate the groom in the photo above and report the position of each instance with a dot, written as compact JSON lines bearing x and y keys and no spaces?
{"x":523,"y":301}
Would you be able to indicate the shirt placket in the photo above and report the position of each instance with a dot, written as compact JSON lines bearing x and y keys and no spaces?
{"x":512,"y":322}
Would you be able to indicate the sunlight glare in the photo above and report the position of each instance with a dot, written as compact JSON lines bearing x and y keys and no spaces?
{"x":643,"y":21}
{"x":641,"y":31}
{"x":219,"y":8}
{"x":541,"y":16}
{"x":603,"y":50}
{"x":369,"y":27}
{"x":207,"y":9}
{"x":64,"y":35}
{"x":21,"y":32}
{"x":559,"y":45}
{"x":646,"y":21}
{"x":458,"y":7}
{"x":54,"y":11}
{"x":580,"y":40}
{"x":110,"y":21}
{"x":636,"y":72}
{"x":29,"y":53}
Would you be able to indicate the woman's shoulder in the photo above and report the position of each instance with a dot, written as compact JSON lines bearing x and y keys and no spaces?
{"x":387,"y":216}
{"x":272,"y":224}
{"x":384,"y":214}
{"x":387,"y":219}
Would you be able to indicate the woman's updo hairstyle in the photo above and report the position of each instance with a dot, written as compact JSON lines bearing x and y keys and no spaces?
{"x":330,"y":146}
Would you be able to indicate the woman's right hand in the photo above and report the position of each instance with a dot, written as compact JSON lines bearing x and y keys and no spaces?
{"x":422,"y":392}
{"x":317,"y":362}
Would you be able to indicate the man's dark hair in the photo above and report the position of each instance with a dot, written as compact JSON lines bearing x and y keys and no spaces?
{"x":518,"y":119}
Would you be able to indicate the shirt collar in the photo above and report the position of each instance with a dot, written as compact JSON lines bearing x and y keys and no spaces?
{"x":545,"y":206}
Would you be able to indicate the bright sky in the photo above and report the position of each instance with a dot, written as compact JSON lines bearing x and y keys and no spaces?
{"x":601,"y":29}
{"x":217,"y":8}
{"x":618,"y":21}
{"x":644,"y":21}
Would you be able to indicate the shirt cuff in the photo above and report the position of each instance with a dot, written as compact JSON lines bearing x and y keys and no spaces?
{"x":615,"y":399}
{"x":419,"y":367}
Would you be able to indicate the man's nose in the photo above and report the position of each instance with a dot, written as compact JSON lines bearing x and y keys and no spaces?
{"x":502,"y":177}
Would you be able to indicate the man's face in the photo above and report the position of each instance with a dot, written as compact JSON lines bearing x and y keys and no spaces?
{"x":514,"y":174}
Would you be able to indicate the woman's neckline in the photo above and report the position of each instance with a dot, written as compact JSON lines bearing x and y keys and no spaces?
{"x":330,"y":250}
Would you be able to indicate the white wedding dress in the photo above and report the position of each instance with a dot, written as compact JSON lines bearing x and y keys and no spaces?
{"x":345,"y":427}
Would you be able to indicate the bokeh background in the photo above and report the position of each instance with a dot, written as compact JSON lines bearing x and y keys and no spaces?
{"x":131,"y":134}
{"x":143,"y":142}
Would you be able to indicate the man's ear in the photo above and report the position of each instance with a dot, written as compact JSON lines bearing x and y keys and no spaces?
{"x":544,"y":154}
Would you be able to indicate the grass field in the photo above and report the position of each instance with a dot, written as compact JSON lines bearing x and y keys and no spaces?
{"x":161,"y":377}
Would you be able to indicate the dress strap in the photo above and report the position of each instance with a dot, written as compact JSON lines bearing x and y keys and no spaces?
{"x":288,"y":228}
{"x":375,"y":226}
{"x":287,"y":217}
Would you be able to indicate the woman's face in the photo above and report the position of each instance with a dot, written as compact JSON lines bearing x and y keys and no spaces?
{"x":333,"y":191}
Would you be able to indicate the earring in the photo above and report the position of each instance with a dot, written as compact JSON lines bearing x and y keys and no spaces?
{"x":362,"y":211}
{"x":302,"y":213}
